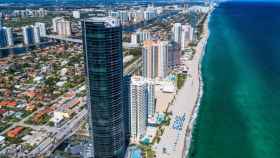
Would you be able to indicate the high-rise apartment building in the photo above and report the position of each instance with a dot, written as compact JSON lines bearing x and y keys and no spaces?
{"x":142,"y":97}
{"x":42,"y":28}
{"x":150,"y":59}
{"x":123,"y":16}
{"x":1,"y":19}
{"x":138,"y":110}
{"x":173,"y":54}
{"x":150,"y":13}
{"x":163,"y":69}
{"x":155,"y":59}
{"x":151,"y":105}
{"x":133,"y":39}
{"x":63,"y":27}
{"x":102,"y":43}
{"x":177,"y":33}
{"x":187,"y":36}
{"x":31,"y":35}
{"x":36,"y":34}
{"x":139,"y":15}
{"x":54,"y":23}
{"x":143,"y":36}
{"x":6,"y":37}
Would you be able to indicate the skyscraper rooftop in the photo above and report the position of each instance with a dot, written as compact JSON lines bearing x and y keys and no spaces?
{"x":109,"y":22}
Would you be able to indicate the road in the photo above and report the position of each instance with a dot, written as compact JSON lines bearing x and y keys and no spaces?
{"x":130,"y":69}
{"x":60,"y":134}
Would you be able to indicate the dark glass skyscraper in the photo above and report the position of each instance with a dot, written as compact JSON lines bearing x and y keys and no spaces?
{"x":3,"y":38}
{"x":1,"y":20}
{"x":102,"y":42}
{"x":126,"y":104}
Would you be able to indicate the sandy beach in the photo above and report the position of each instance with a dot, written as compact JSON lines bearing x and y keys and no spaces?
{"x":176,"y":138}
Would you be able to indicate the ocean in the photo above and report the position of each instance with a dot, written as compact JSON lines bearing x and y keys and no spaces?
{"x":239,"y":114}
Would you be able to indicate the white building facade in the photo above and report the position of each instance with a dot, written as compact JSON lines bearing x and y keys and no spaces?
{"x":187,"y":36}
{"x":42,"y":28}
{"x":138,"y":109}
{"x":63,"y":28}
{"x":177,"y":33}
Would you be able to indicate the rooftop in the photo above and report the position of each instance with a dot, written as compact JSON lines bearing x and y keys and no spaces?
{"x":108,"y":21}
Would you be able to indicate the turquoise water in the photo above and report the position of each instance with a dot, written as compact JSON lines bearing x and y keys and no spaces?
{"x":136,"y":153}
{"x":239,"y":115}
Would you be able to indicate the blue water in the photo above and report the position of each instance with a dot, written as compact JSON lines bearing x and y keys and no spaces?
{"x":240,"y":110}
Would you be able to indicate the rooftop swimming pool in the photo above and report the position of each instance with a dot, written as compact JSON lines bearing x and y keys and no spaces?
{"x":135,"y":153}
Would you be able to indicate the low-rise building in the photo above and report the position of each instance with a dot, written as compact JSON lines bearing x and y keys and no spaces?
{"x":15,"y":132}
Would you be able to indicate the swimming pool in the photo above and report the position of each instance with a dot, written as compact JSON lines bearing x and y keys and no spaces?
{"x":136,"y":153}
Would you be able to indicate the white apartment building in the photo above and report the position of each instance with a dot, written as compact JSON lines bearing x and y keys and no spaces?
{"x":155,"y":59}
{"x":63,"y":28}
{"x":76,"y":14}
{"x":138,"y":109}
{"x":177,"y":33}
{"x":54,"y":23}
{"x":187,"y":36}
{"x":42,"y":28}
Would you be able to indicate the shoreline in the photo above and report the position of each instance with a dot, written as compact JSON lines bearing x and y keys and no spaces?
{"x":176,"y":142}
{"x":194,"y":113}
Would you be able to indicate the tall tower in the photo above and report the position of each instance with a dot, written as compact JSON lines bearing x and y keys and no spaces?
{"x":6,"y":37}
{"x":177,"y":32}
{"x":138,"y":108}
{"x":1,"y":20}
{"x":102,"y":43}
{"x":28,"y":35}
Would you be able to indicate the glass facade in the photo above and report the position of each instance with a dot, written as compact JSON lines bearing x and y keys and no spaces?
{"x":102,"y":40}
{"x":30,"y":35}
{"x":126,"y":103}
{"x":3,"y":38}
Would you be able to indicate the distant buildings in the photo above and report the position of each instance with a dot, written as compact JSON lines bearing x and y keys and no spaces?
{"x":173,"y":54}
{"x":28,"y":35}
{"x":1,"y":20}
{"x":42,"y":28}
{"x":41,"y":12}
{"x":187,"y":36}
{"x":133,"y":38}
{"x":163,"y":59}
{"x":6,"y":37}
{"x":76,"y":14}
{"x":143,"y":36}
{"x":139,"y":16}
{"x":31,"y":35}
{"x":142,"y":103}
{"x":177,"y":33}
{"x":124,"y":16}
{"x":102,"y":41}
{"x":155,"y":59}
{"x":63,"y":27}
{"x":54,"y":23}
{"x":36,"y":34}
{"x":182,"y":35}
{"x":135,"y":16}
{"x":150,"y":13}
{"x":150,"y":59}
